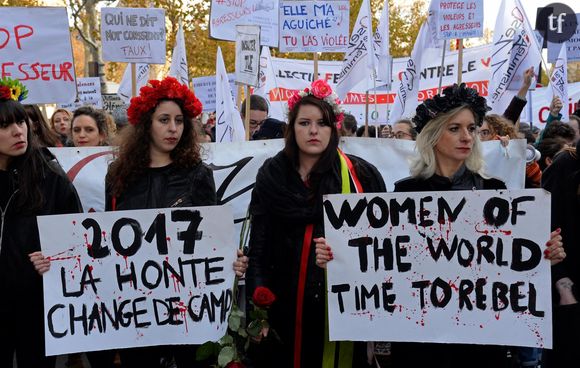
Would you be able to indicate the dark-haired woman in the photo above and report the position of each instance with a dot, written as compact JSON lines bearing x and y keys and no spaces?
{"x":287,"y":227}
{"x":159,"y":166}
{"x":449,"y":158}
{"x":89,"y":127}
{"x":31,"y":184}
{"x":46,"y":137}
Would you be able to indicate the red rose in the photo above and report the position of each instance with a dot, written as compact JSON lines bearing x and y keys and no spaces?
{"x":263,"y":297}
{"x":292,"y":101}
{"x":235,"y":364}
{"x":321,"y":89}
{"x":5,"y":93}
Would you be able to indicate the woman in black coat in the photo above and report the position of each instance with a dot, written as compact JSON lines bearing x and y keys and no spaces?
{"x":31,"y":184}
{"x":449,"y":158}
{"x":287,"y":225}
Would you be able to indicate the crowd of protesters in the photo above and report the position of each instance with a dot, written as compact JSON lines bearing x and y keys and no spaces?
{"x":159,"y":138}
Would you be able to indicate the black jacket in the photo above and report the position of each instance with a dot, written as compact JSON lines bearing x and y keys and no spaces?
{"x":168,"y":186}
{"x":20,"y":284}
{"x":281,"y":207}
{"x":468,"y":180}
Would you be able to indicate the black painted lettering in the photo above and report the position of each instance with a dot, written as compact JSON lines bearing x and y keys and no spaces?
{"x":518,"y":263}
{"x":339,"y":289}
{"x":444,"y":209}
{"x":116,"y":238}
{"x":350,"y":215}
{"x":398,"y":208}
{"x":496,"y":211}
{"x":190,"y":235}
{"x":362,"y":243}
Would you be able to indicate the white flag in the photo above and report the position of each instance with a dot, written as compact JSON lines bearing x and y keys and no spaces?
{"x":229,"y":126}
{"x":381,"y":48}
{"x":267,"y":82}
{"x":142,"y":76}
{"x":514,"y":50}
{"x":559,"y":80}
{"x":178,"y":68}
{"x":407,"y":89}
{"x":358,"y":62}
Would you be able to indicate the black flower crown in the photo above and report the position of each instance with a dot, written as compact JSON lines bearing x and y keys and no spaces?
{"x":453,"y":96}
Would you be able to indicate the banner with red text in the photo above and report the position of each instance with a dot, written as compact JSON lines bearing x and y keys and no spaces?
{"x":47,"y":72}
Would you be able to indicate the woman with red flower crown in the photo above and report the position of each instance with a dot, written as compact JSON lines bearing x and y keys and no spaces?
{"x":31,"y":184}
{"x":287,"y":226}
{"x":159,"y":166}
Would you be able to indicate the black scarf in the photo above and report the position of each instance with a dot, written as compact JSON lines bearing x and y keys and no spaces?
{"x":282,"y":193}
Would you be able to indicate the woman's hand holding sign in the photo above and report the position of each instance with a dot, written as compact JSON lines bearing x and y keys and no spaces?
{"x":323,"y":252}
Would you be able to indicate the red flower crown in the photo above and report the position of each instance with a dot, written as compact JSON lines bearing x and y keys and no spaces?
{"x":166,"y":89}
{"x":321,"y":90}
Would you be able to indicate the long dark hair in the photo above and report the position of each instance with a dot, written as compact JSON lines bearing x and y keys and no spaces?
{"x":329,"y":157}
{"x":27,"y":169}
{"x":134,"y":158}
{"x":46,"y":136}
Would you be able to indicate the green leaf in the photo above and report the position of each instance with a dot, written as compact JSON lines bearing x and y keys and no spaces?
{"x":227,"y":340}
{"x":234,"y":322}
{"x":242,"y":332}
{"x":206,"y":350}
{"x":226,"y":355}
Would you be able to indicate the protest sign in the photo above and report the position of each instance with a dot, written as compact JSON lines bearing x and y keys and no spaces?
{"x":459,"y":19}
{"x":314,"y":26}
{"x":455,"y":267}
{"x":133,"y":35}
{"x":137,"y":278}
{"x":247,"y":54}
{"x":205,"y":90}
{"x":225,"y":15}
{"x":540,"y":104}
{"x":89,"y":93}
{"x":47,"y":72}
{"x":112,"y":102}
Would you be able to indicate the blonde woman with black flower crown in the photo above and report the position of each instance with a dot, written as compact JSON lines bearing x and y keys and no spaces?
{"x":287,"y":235}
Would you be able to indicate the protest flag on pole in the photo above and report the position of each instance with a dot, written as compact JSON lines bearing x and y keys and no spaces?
{"x":229,"y":126}
{"x":178,"y":68}
{"x":559,"y":80}
{"x":381,"y":49}
{"x":126,"y":86}
{"x":514,"y":50}
{"x":267,"y":82}
{"x":358,"y":62}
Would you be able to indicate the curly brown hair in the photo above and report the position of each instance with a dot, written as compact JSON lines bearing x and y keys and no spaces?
{"x":500,"y":126}
{"x":133,"y":157}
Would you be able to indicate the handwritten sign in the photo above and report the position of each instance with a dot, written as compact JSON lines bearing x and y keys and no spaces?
{"x":205,"y":90}
{"x":47,"y":72}
{"x":314,"y":26}
{"x":112,"y":102}
{"x":89,"y":93}
{"x":459,"y":19}
{"x":137,"y":278}
{"x":133,"y":35}
{"x":225,"y":15}
{"x":454,"y":267}
{"x":247,"y":54}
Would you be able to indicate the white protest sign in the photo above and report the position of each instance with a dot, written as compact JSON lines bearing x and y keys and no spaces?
{"x":225,"y":15}
{"x":459,"y":19}
{"x":559,"y":79}
{"x":541,"y":99}
{"x":47,"y":72}
{"x":89,"y":93}
{"x":112,"y":102}
{"x":133,"y":35}
{"x":205,"y":90}
{"x":573,"y":45}
{"x":247,"y":54}
{"x":455,"y":267}
{"x":137,"y":278}
{"x":314,"y":26}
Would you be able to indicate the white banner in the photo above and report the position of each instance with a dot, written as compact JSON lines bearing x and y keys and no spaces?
{"x":228,"y":126}
{"x":314,"y":26}
{"x":133,"y":35}
{"x":247,"y":54}
{"x":559,"y":80}
{"x":47,"y":72}
{"x":205,"y":90}
{"x":225,"y":15}
{"x":89,"y":93}
{"x":125,"y":87}
{"x":540,"y":103}
{"x":383,"y":60}
{"x":235,"y":166}
{"x":454,"y":267}
{"x":137,"y":278}
{"x":178,"y":68}
{"x":459,"y":19}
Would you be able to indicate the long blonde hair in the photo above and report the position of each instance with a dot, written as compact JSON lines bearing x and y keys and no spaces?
{"x":424,"y":164}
